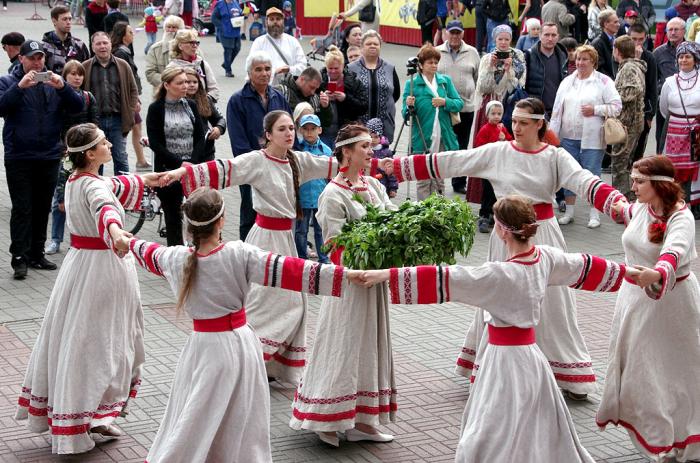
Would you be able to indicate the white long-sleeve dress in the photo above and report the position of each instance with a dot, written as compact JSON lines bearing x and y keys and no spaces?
{"x":652,"y":384}
{"x":537,"y":176}
{"x":219,"y":405}
{"x":350,"y":375}
{"x":86,"y":362}
{"x":515,"y":411}
{"x":282,"y":332}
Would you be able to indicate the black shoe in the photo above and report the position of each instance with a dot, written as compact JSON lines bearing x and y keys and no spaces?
{"x":229,"y":74}
{"x":460,"y":189}
{"x":42,"y":264}
{"x":19,"y":265}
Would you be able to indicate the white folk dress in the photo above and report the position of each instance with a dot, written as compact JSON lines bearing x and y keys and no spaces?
{"x":86,"y":362}
{"x":282,"y":332}
{"x":515,"y":410}
{"x":537,"y":176}
{"x":653,"y":377}
{"x":219,"y":405}
{"x":350,"y":375}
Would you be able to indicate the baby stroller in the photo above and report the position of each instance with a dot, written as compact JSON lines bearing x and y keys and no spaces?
{"x":320,"y":45}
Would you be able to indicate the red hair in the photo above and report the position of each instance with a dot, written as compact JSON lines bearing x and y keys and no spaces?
{"x":670,"y":193}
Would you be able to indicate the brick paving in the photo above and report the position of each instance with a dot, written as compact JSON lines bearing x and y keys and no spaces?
{"x":425,"y":339}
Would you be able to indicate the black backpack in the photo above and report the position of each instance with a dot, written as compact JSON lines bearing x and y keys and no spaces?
{"x":427,"y":12}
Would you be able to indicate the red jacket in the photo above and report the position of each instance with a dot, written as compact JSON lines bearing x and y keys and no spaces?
{"x":490,"y":133}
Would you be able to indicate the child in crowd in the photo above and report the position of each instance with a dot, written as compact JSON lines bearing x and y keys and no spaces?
{"x":310,"y":128}
{"x":150,"y":23}
{"x":290,"y":24}
{"x":527,"y":41}
{"x":354,"y":53}
{"x":380,"y":146}
{"x":491,"y":132}
{"x":660,"y":36}
{"x":570,"y":44}
{"x":74,"y":75}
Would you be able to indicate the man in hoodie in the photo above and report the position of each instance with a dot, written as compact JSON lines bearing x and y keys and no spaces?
{"x":60,"y":46}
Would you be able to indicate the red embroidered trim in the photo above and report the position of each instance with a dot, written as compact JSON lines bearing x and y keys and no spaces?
{"x":465,"y":364}
{"x":571,"y":365}
{"x":345,"y":187}
{"x":75,"y":177}
{"x":407,"y":285}
{"x":344,"y":398}
{"x":515,"y":147}
{"x":277,"y":344}
{"x":575,"y":378}
{"x":692,"y":439}
{"x":337,"y":281}
{"x":267,"y":270}
{"x":347,"y":415}
{"x":468,"y":351}
{"x":283,"y":360}
{"x":213,"y":251}
{"x":272,"y":158}
{"x":394,"y":285}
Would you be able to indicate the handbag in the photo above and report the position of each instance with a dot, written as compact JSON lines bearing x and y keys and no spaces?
{"x":613,"y":132}
{"x":455,"y":118}
{"x":693,"y":132}
{"x":368,"y":13}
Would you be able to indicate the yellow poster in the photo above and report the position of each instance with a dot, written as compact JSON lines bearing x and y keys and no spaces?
{"x":320,"y":9}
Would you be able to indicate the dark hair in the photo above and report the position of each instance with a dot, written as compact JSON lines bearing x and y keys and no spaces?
{"x":637,"y":27}
{"x":347,"y":131}
{"x":118,"y":33}
{"x":201,"y":97}
{"x":99,"y":34}
{"x":625,"y":46}
{"x":114,"y":4}
{"x":426,"y":52}
{"x":80,"y":135}
{"x":311,"y":73}
{"x":516,"y":212}
{"x":12,"y":38}
{"x":268,"y":122}
{"x":534,"y":106}
{"x":201,"y":206}
{"x":670,"y":193}
{"x":569,"y":43}
{"x":57,"y":11}
{"x":346,"y":33}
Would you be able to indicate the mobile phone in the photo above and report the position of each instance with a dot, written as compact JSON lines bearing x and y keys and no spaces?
{"x":42,"y":76}
{"x":332,"y":86}
{"x":502,"y":54}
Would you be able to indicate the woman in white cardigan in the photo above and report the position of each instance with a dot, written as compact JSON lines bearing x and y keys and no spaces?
{"x":583,"y":100}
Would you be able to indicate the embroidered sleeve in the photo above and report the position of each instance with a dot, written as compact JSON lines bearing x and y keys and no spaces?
{"x":128,"y":189}
{"x":585,"y":271}
{"x":425,"y":284}
{"x":472,"y":163}
{"x":314,"y":166}
{"x":677,"y":246}
{"x":222,"y":173}
{"x":148,"y":255}
{"x":105,"y":211}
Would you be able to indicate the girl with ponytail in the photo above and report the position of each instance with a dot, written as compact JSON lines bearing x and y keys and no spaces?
{"x":274,"y":173}
{"x":220,"y":388}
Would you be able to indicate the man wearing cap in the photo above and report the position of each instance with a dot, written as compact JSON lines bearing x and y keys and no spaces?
{"x":643,"y":8}
{"x":32,"y":101}
{"x":284,"y":50}
{"x":59,"y":45}
{"x":460,"y":62}
{"x":11,"y":43}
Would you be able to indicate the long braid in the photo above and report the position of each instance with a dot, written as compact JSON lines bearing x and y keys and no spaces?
{"x":295,"y":176}
{"x":189,"y":273}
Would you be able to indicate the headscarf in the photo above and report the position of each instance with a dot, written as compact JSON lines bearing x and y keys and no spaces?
{"x":491,"y":104}
{"x":501,"y":28}
{"x":375,"y":125}
{"x":690,"y":48}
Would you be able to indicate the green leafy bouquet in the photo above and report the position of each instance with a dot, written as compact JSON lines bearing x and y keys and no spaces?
{"x":431,"y":231}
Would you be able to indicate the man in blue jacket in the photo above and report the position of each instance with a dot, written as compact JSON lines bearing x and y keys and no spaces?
{"x":244,"y":115}
{"x":31,"y":102}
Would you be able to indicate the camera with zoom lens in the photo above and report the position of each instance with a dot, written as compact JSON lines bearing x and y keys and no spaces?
{"x":412,"y":66}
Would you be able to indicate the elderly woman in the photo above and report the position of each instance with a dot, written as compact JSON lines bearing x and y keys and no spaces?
{"x":158,"y":55}
{"x":381,"y":81}
{"x":679,"y":103}
{"x":583,"y":100}
{"x":183,"y":53}
{"x":347,"y":96}
{"x":434,"y":97}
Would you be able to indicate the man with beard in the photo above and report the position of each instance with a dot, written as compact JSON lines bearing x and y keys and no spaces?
{"x":284,"y":51}
{"x":158,"y":55}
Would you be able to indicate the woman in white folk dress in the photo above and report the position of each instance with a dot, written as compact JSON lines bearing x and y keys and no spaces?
{"x":349,"y":385}
{"x":653,"y":377}
{"x":86,"y":362}
{"x":536,"y":170}
{"x":219,"y":405}
{"x":515,"y":410}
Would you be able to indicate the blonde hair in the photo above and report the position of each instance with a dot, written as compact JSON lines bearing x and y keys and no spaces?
{"x":181,"y":36}
{"x":166,"y":77}
{"x":334,"y":54}
{"x":592,"y":53}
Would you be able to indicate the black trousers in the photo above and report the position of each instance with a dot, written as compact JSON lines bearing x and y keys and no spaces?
{"x":488,"y":199}
{"x":426,"y":32}
{"x":171,"y":203}
{"x":247,"y":212}
{"x":463,"y":130}
{"x":660,"y":133}
{"x":31,"y":184}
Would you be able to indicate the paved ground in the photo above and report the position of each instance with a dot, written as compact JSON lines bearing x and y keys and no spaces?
{"x":425,"y":340}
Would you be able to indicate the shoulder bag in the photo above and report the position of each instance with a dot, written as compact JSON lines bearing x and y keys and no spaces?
{"x":368,"y":13}
{"x":613,"y":132}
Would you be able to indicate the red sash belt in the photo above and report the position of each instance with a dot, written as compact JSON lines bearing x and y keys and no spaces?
{"x":678,"y":279}
{"x":511,"y":336}
{"x":273,"y":223}
{"x":543,"y":211}
{"x":216,"y":325}
{"x":87,"y":242}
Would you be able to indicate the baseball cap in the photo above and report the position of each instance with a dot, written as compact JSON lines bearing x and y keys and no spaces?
{"x":455,"y":26}
{"x":273,"y":10}
{"x":631,"y":13}
{"x":31,"y":47}
{"x":310,"y":119}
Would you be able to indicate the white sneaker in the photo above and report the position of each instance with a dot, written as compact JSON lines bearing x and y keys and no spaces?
{"x":355,"y":435}
{"x":328,"y":439}
{"x":54,"y":247}
{"x":565,"y":219}
{"x":594,"y":222}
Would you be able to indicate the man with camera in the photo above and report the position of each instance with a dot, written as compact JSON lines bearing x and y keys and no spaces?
{"x":31,"y":102}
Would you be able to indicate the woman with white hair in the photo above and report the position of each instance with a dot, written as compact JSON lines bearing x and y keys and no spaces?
{"x":158,"y":55}
{"x":532,"y":38}
{"x":183,"y":53}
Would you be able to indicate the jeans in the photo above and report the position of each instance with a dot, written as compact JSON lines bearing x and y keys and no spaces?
{"x":590,"y":159}
{"x":302,"y":232}
{"x":151,"y":37}
{"x":31,"y":184}
{"x":58,"y":221}
{"x":231,"y":53}
{"x":490,"y":26}
{"x":112,"y":127}
{"x":480,"y":29}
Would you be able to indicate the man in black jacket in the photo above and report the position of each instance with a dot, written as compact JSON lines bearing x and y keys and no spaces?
{"x":496,"y":12}
{"x":638,"y":33}
{"x":59,"y":45}
{"x":546,"y":65}
{"x":609,"y":25}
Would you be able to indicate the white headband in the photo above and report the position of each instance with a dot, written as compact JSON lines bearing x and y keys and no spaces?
{"x":80,"y":149}
{"x":517,"y":112}
{"x":363,"y":137}
{"x":202,"y":224}
{"x":658,"y":178}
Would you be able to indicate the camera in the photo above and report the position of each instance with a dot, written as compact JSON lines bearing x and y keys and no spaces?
{"x":502,"y":54}
{"x":412,"y":66}
{"x":42,"y":76}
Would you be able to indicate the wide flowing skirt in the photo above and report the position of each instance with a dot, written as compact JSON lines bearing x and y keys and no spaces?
{"x":278,"y":316}
{"x":219,"y":406}
{"x":558,"y":334}
{"x":651,"y":386}
{"x":86,"y":362}
{"x":677,"y":149}
{"x":350,"y":376}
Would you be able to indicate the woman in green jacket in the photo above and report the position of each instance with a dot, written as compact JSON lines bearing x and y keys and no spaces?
{"x":433,"y":95}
